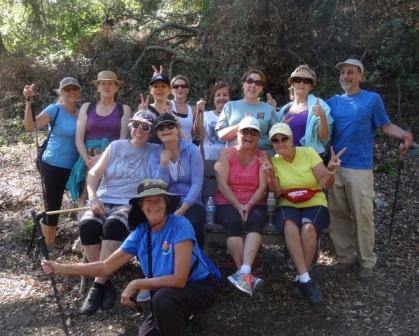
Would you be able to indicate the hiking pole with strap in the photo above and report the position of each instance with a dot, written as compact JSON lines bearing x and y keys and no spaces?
{"x":43,"y":248}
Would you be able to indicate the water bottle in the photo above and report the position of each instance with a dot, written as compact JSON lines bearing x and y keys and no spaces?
{"x":210,"y":208}
{"x":270,"y":206}
{"x":144,"y":301}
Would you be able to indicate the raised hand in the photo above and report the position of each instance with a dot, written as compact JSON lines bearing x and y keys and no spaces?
{"x":270,"y":100}
{"x":334,"y":162}
{"x":200,"y":105}
{"x":267,"y":167}
{"x":144,"y":102}
{"x":317,"y":109}
{"x":159,"y":71}
{"x":29,"y":92}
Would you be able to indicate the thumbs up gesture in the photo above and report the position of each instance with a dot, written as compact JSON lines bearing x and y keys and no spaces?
{"x":317,"y":109}
{"x":29,"y":92}
{"x":270,"y":100}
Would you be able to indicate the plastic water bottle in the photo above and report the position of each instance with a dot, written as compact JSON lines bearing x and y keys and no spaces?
{"x":270,"y":206}
{"x":144,"y":301}
{"x":210,"y":208}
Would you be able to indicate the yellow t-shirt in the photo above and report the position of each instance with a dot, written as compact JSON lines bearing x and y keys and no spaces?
{"x":299,"y":174}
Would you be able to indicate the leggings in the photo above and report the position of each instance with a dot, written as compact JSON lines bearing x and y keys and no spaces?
{"x":55,"y":180}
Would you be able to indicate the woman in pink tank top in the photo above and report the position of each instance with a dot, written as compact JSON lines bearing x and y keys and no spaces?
{"x":240,"y":201}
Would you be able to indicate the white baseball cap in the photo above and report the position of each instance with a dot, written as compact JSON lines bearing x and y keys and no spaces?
{"x":351,"y":61}
{"x":249,"y":122}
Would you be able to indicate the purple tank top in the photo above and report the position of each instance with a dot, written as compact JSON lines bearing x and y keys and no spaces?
{"x":98,"y":127}
{"x":298,"y":126}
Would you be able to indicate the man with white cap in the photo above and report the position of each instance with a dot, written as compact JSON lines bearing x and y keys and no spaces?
{"x":357,"y":113}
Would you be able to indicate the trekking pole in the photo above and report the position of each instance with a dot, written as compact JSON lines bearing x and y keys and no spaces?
{"x":43,"y":247}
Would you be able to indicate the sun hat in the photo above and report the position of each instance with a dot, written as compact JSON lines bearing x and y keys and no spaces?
{"x":150,"y":187}
{"x":165,"y":118}
{"x":160,"y":78}
{"x":249,"y":122}
{"x":144,"y":117}
{"x":107,"y":75}
{"x":351,"y":61}
{"x":303,"y":71}
{"x":66,"y":81}
{"x":280,"y":128}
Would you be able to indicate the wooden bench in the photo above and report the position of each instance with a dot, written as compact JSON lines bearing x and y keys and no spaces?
{"x":215,"y":233}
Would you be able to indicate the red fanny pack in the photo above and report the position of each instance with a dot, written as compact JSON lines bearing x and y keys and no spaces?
{"x":297,"y":195}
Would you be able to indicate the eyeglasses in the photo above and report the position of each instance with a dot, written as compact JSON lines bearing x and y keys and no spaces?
{"x":251,"y":131}
{"x":162,"y":127}
{"x":281,"y":139}
{"x":251,"y":81}
{"x":178,"y":86}
{"x":143,"y":127}
{"x":70,"y":88}
{"x":304,"y":80}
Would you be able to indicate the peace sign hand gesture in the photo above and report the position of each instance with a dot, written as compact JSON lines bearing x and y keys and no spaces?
{"x":144,"y":102}
{"x":159,"y":71}
{"x":334,"y":162}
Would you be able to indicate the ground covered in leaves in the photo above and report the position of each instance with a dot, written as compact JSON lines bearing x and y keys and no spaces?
{"x":386,"y":305}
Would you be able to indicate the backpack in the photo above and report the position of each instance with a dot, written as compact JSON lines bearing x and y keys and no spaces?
{"x":209,"y":265}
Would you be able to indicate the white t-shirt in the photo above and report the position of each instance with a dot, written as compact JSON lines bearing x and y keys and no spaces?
{"x":185,"y":121}
{"x":212,"y":143}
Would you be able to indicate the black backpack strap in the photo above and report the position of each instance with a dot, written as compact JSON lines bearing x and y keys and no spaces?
{"x":150,"y":259}
{"x":90,"y":108}
{"x":52,"y":125}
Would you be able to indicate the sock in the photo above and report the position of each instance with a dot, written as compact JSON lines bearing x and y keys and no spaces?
{"x":297,"y":278}
{"x":245,"y":269}
{"x":305,"y":277}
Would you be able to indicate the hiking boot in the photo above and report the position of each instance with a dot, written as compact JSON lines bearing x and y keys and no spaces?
{"x":242,"y":282}
{"x":365,"y":273}
{"x":92,"y":301}
{"x":109,"y":296}
{"x":296,"y":290}
{"x":312,"y":292}
{"x":345,"y":265}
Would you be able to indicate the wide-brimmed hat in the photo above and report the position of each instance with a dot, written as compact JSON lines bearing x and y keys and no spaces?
{"x":144,"y":117}
{"x":165,"y":118}
{"x":66,"y":81}
{"x":249,"y":122}
{"x":107,"y":75}
{"x":160,"y":78}
{"x":351,"y":61}
{"x":150,"y":187}
{"x":280,"y":128}
{"x":303,"y":71}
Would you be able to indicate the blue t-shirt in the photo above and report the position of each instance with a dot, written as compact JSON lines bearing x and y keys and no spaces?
{"x":356,"y":118}
{"x":176,"y":230}
{"x":61,"y":150}
{"x":234,"y":111}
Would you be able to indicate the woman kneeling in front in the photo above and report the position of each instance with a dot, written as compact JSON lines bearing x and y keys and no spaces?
{"x":179,"y":280}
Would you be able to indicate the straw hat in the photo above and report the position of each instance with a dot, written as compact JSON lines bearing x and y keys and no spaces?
{"x":303,"y":71}
{"x":107,"y":75}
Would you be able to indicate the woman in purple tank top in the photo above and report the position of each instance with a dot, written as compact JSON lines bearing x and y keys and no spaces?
{"x":103,"y":119}
{"x":308,"y":116}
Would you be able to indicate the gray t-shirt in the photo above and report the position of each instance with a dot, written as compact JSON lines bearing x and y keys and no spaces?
{"x":127,"y":167}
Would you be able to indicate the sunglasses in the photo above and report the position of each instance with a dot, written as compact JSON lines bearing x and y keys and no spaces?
{"x":251,"y":81}
{"x":304,"y":80}
{"x":162,"y":127}
{"x":70,"y":88}
{"x":143,"y":127}
{"x":178,"y":86}
{"x":251,"y":131}
{"x":281,"y":139}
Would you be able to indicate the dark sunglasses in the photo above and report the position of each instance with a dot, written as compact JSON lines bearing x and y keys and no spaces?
{"x":178,"y":86}
{"x":162,"y":127}
{"x":144,"y":127}
{"x":251,"y":81}
{"x":251,"y":131}
{"x":304,"y":80}
{"x":281,"y":139}
{"x":71,"y":88}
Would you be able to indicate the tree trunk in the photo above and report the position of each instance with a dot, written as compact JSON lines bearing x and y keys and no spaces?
{"x":2,"y":47}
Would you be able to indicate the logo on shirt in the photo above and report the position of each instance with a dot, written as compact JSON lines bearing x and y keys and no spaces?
{"x":166,"y":247}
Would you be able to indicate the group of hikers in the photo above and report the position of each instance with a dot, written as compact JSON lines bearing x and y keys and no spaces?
{"x":144,"y":176}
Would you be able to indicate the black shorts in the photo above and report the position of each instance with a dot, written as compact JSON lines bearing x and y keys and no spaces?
{"x":316,"y":215}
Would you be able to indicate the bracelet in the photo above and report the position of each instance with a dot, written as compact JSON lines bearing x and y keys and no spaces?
{"x":331,"y":172}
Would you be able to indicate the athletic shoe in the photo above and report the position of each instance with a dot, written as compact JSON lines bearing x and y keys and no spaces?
{"x":256,"y":282}
{"x":296,"y":290}
{"x":312,"y":292}
{"x":365,"y":273}
{"x":109,"y":296}
{"x":242,"y":282}
{"x":92,"y":301}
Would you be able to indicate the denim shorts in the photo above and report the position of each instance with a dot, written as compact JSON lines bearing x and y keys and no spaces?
{"x":317,"y":215}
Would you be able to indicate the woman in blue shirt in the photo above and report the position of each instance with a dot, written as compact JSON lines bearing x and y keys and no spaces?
{"x":61,"y":152}
{"x":165,"y":245}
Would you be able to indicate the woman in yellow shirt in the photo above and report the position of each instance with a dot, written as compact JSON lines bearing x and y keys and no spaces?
{"x":297,"y":176}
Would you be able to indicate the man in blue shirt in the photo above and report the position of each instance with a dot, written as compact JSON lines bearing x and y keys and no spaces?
{"x":357,"y":113}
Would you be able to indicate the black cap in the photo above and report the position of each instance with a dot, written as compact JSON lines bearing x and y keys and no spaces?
{"x":160,"y":78}
{"x":165,"y":118}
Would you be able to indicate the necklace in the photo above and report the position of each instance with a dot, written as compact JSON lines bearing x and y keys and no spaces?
{"x":105,"y":110}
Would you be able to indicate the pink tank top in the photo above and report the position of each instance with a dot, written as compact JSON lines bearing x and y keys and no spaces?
{"x":98,"y":127}
{"x":243,"y":180}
